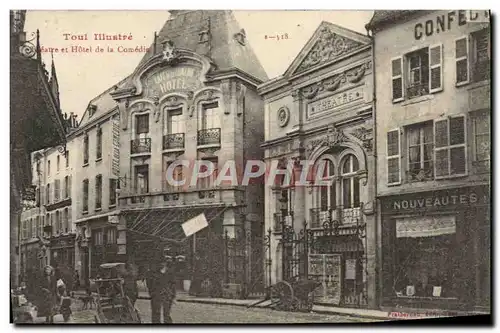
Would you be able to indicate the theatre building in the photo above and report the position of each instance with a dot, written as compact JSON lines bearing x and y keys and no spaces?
{"x":320,"y":110}
{"x":433,"y":158}
{"x":193,"y":97}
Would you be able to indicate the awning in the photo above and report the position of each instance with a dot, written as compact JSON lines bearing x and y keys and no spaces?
{"x":166,"y":223}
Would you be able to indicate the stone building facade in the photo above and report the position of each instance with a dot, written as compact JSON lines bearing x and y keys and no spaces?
{"x":433,"y":157}
{"x":320,"y":111}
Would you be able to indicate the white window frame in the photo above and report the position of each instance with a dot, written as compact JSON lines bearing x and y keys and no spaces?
{"x":466,"y":57}
{"x":431,"y":67}
{"x":203,"y":120}
{"x":333,"y":187}
{"x":178,"y":111}
{"x":450,"y":147}
{"x":390,"y":157}
{"x":351,"y":175}
{"x":421,"y":145}
{"x":136,"y":135}
{"x":402,"y":77}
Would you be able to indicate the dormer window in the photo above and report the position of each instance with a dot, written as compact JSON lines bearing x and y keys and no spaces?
{"x":92,"y":110}
{"x":240,"y":37}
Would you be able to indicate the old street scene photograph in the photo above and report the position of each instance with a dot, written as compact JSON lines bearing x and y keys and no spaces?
{"x":228,"y":166}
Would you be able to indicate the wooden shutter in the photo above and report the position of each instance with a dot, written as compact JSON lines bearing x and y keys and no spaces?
{"x":458,"y":149}
{"x":69,"y":186}
{"x":393,"y":157}
{"x":462,"y":60}
{"x":397,"y":79}
{"x":441,"y":142}
{"x":435,"y":68}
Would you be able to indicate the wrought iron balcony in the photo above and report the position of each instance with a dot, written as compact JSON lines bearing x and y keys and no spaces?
{"x":280,"y":220}
{"x":417,"y":90}
{"x":172,"y":141}
{"x":321,"y":215}
{"x":140,"y":146}
{"x":209,"y":136}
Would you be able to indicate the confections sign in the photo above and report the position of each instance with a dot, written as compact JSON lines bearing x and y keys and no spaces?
{"x":333,"y":102}
{"x":170,"y":79}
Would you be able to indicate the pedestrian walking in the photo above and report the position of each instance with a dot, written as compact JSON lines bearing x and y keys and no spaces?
{"x":76,"y":280}
{"x":48,"y":305}
{"x":161,"y":286}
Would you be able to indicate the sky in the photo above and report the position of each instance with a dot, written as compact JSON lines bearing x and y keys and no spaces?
{"x":83,"y":76}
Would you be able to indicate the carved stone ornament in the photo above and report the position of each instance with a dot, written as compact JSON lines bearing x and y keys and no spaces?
{"x":353,"y":75}
{"x":333,"y":138}
{"x":329,"y":46}
{"x":169,"y":52}
{"x":365,"y":136}
{"x":240,"y":37}
{"x":283,"y":116}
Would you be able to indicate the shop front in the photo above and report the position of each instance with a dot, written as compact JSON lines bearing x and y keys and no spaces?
{"x":436,"y":249}
{"x":62,"y":251}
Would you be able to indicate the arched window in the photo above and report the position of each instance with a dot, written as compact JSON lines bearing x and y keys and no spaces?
{"x":326,"y":194}
{"x":350,"y":183}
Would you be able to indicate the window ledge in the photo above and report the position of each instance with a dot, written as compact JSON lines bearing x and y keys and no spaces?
{"x":98,"y":209}
{"x":85,"y":164}
{"x":477,"y":84}
{"x":85,"y":212}
{"x":140,"y":154}
{"x":419,"y":99}
{"x":112,"y":206}
{"x":210,"y":145}
{"x":98,"y":159}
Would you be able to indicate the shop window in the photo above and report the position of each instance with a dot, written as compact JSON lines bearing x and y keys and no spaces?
{"x":326,"y":193}
{"x":86,"y":149}
{"x":473,"y":57}
{"x":98,"y":192}
{"x":85,"y":207}
{"x":98,"y":154}
{"x":417,"y":73}
{"x":142,"y":179}
{"x":450,"y":149}
{"x":427,"y":259}
{"x":420,"y":142}
{"x":482,"y":137}
{"x":112,"y":191}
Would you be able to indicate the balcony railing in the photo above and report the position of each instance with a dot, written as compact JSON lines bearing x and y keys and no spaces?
{"x":343,"y":215}
{"x":172,"y":141}
{"x":417,"y":90}
{"x":280,"y":220}
{"x":209,"y":136}
{"x":140,"y":146}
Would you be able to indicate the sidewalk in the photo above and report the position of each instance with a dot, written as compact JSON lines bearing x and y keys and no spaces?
{"x":363,"y":313}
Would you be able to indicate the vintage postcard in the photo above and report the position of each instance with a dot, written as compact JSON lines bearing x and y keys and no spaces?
{"x":226,"y":166}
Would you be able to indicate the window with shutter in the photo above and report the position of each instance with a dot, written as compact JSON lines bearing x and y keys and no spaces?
{"x":436,"y":68}
{"x":450,"y":149}
{"x":85,"y":207}
{"x":98,"y":192}
{"x":99,"y":144}
{"x":112,"y":191}
{"x":462,"y":60}
{"x":393,"y":157}
{"x":86,"y":149}
{"x":397,"y":79}
{"x":482,"y":55}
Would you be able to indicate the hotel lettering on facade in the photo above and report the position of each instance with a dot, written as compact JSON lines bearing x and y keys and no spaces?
{"x":433,"y":147}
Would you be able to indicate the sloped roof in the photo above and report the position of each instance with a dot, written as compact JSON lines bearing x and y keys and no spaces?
{"x":183,"y":28}
{"x":383,"y":17}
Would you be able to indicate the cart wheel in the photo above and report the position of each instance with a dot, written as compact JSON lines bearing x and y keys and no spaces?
{"x":284,"y":292}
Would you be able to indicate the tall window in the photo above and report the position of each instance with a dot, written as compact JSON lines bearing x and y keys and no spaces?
{"x":327,"y":193}
{"x":67,"y":187}
{"x":58,"y":161}
{"x":142,"y":125}
{"x":175,"y":123}
{"x":64,"y":227}
{"x":97,"y":236}
{"x":86,"y":149}
{"x":98,"y":192}
{"x":420,"y":148}
{"x":482,"y":136}
{"x":472,"y":57}
{"x":58,"y":222}
{"x":208,"y":181}
{"x":67,"y":159}
{"x":111,"y":236}
{"x":350,"y":183}
{"x":98,"y":143}
{"x":450,"y":150}
{"x":57,"y":190}
{"x":85,"y":207}
{"x":47,"y":196}
{"x":176,"y":176}
{"x":38,"y":233}
{"x":142,"y":179}
{"x":210,"y":116}
{"x":48,"y":168}
{"x":418,"y":80}
{"x":112,"y":191}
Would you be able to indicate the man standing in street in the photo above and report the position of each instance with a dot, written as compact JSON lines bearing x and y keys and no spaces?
{"x":161,"y":285}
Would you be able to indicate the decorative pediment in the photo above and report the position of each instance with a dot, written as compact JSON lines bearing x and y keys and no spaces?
{"x":333,"y":138}
{"x":328,"y":43}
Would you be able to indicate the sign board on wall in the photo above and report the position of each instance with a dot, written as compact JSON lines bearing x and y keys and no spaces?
{"x":194,"y":225}
{"x":115,"y":161}
{"x":169,"y":79}
{"x":333,"y":102}
{"x":327,"y":269}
